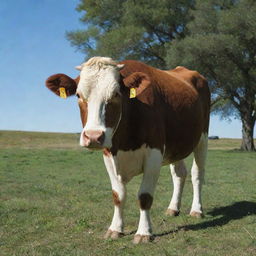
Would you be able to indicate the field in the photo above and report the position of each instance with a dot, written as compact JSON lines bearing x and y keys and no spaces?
{"x":55,"y":199}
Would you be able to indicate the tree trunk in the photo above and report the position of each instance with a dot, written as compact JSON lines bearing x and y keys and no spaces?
{"x":248,"y":123}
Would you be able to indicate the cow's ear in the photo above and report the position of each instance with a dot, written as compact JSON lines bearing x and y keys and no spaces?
{"x":137,"y":82}
{"x":57,"y":82}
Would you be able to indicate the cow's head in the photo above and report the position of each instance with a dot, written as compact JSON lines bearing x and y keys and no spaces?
{"x":100,"y":90}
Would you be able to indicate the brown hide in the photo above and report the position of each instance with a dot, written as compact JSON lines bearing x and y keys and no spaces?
{"x":83,"y":111}
{"x":172,"y":112}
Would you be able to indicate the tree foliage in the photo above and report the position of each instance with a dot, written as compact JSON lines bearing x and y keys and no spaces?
{"x":222,"y":44}
{"x":133,"y":29}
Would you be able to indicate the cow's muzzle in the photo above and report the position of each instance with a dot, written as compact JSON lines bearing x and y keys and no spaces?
{"x":92,"y":139}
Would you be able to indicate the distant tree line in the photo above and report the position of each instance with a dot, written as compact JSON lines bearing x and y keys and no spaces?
{"x":215,"y":37}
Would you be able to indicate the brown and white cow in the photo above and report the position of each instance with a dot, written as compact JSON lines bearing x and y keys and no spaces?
{"x":162,"y":122}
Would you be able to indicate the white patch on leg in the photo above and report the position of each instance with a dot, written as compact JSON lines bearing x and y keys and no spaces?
{"x":152,"y":165}
{"x":117,"y":223}
{"x":119,"y":188}
{"x":144,"y":227}
{"x":179,"y":173}
{"x":197,"y":173}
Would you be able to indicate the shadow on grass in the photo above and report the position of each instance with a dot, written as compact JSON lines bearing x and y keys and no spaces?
{"x":235,"y":211}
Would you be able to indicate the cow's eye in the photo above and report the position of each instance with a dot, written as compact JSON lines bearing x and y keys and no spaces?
{"x":77,"y":95}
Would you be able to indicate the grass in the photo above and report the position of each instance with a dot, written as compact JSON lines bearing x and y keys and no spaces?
{"x":38,"y":140}
{"x":55,"y":199}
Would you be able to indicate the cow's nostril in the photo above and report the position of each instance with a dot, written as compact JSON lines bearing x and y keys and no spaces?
{"x":101,"y":138}
{"x":95,"y":136}
{"x":85,"y":135}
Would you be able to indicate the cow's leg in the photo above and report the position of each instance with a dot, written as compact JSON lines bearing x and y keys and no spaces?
{"x":145,"y":196}
{"x":179,"y":173}
{"x":197,"y":174}
{"x":119,"y":193}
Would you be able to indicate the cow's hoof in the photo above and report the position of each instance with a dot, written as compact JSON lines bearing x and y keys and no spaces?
{"x":172,"y":213}
{"x":198,"y":215}
{"x":142,"y":239}
{"x":113,"y":234}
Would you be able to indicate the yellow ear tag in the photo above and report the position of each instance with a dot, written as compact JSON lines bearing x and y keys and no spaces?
{"x":132,"y":93}
{"x":63,"y":92}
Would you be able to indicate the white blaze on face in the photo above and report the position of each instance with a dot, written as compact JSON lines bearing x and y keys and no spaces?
{"x":99,"y":82}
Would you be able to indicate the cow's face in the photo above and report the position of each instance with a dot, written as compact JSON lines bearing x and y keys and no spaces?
{"x":99,"y":99}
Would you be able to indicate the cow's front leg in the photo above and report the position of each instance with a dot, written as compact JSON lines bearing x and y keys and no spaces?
{"x":119,"y":194}
{"x":145,"y":196}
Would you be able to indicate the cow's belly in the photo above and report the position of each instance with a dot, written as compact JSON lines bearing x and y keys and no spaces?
{"x":131,"y":163}
{"x":181,"y":143}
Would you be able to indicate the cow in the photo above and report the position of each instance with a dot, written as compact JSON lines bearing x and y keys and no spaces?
{"x":142,"y":118}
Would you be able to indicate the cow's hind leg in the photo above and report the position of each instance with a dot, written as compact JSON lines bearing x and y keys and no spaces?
{"x":119,"y":193}
{"x":197,"y":175}
{"x":145,"y":196}
{"x":179,"y":173}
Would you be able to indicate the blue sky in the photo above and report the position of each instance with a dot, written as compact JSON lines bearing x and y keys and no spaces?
{"x":32,"y":47}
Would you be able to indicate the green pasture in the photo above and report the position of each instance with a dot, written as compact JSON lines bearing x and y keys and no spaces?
{"x":55,"y":199}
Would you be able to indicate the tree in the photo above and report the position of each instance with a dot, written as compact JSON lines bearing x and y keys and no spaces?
{"x":221,"y":43}
{"x":131,"y":29}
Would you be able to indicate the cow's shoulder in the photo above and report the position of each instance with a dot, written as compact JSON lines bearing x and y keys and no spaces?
{"x":183,"y":72}
{"x":131,"y":66}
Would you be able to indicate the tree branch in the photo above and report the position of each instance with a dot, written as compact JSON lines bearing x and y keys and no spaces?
{"x":153,"y":53}
{"x":157,"y":30}
{"x":216,"y":100}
